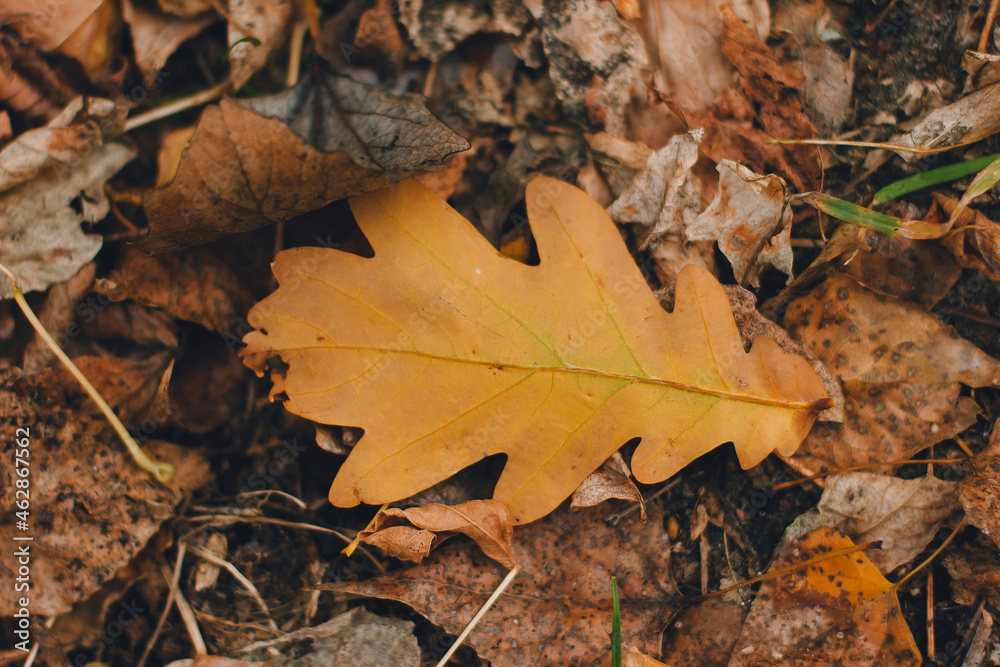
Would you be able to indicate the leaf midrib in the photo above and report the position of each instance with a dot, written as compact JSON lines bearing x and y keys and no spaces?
{"x":576,"y":370}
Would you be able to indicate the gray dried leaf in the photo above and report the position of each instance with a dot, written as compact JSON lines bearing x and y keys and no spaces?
{"x":40,"y":236}
{"x":904,"y":514}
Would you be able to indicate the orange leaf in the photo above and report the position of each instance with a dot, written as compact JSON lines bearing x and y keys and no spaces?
{"x":836,"y":611}
{"x":411,"y":534}
{"x":446,"y":352}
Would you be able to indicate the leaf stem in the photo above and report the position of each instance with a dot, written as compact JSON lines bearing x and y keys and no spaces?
{"x":961,"y":524}
{"x":160,"y":470}
{"x":478,"y":617}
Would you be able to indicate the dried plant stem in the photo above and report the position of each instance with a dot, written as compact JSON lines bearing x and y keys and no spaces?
{"x":836,"y":553}
{"x":984,"y":38}
{"x":160,"y":470}
{"x":959,"y":527}
{"x":243,"y":581}
{"x":478,"y":617}
{"x":176,"y":107}
{"x":866,"y":466}
{"x":863,"y":144}
{"x":167,"y":606}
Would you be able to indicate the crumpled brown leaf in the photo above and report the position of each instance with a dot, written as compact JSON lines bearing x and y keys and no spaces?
{"x":839,"y":611}
{"x":904,"y":514}
{"x":980,"y":489}
{"x":41,"y":25}
{"x":567,"y":559}
{"x":40,"y":236}
{"x":411,"y":534}
{"x":266,"y":160}
{"x":193,"y":285}
{"x":92,"y":508}
{"x":612,"y":480}
{"x":977,"y":249}
{"x":750,"y":220}
{"x":594,"y":60}
{"x":901,"y":370}
{"x":632,"y":657}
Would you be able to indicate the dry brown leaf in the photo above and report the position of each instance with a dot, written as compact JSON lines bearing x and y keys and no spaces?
{"x":44,"y":24}
{"x":556,"y":365}
{"x":975,"y":571}
{"x":765,"y":91}
{"x":192,"y":284}
{"x":750,"y":220}
{"x":156,"y":35}
{"x":93,"y":509}
{"x":412,"y":534}
{"x":980,"y":489}
{"x":838,"y":611}
{"x":703,"y":635}
{"x":558,"y":609}
{"x":30,"y":85}
{"x":208,"y":385}
{"x":684,"y":40}
{"x":612,"y":480}
{"x":903,"y":514}
{"x":436,"y":27}
{"x":901,"y":370}
{"x":267,"y":161}
{"x":40,"y":236}
{"x":58,"y":314}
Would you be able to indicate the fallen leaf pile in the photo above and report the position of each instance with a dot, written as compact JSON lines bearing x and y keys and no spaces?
{"x":548,"y":280}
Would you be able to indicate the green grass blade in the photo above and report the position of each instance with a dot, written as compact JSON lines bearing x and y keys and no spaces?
{"x":616,"y":627}
{"x":925,"y":179}
{"x":880,"y":222}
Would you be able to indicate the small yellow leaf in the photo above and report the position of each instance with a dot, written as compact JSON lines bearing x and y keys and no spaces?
{"x":446,"y":352}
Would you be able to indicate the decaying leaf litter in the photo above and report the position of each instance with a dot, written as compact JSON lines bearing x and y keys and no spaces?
{"x":588,"y":151}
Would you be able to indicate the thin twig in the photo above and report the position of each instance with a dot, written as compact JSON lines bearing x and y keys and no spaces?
{"x":961,"y":524}
{"x":269,"y":492}
{"x":984,"y":38}
{"x":160,"y":470}
{"x":168,"y":605}
{"x":187,"y":615}
{"x":478,"y":617}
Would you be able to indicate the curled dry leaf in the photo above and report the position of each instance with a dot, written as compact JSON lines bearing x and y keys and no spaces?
{"x":903,"y":514}
{"x":93,"y":509}
{"x":750,"y":220}
{"x":357,"y":637}
{"x":411,"y":534}
{"x":566,"y":561}
{"x":267,"y":161}
{"x":838,"y":611}
{"x":977,"y":249}
{"x":970,"y":119}
{"x":665,"y":196}
{"x":44,"y":26}
{"x":612,"y":480}
{"x":901,"y":370}
{"x":40,"y":236}
{"x":468,"y":353}
{"x":704,"y":634}
{"x":980,"y":489}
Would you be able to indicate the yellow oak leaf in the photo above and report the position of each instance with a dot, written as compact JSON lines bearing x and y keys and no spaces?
{"x":446,"y":352}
